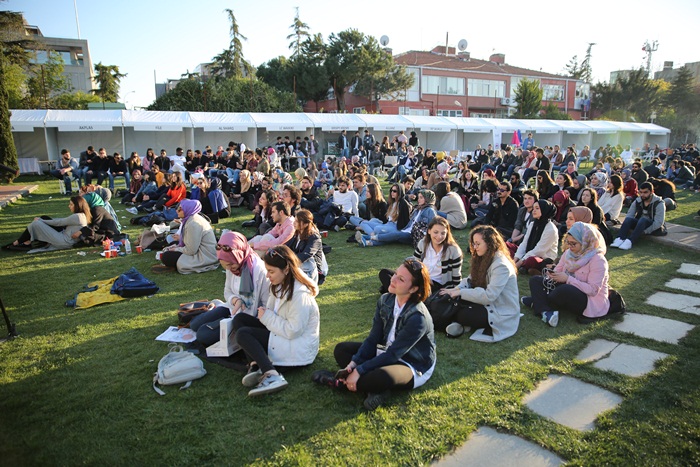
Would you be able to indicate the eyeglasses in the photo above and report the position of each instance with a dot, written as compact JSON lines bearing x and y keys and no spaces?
{"x":476,"y":245}
{"x":572,"y":244}
{"x":501,"y":190}
{"x":225,"y":248}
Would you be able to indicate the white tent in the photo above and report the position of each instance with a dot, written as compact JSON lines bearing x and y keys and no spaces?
{"x":655,"y":134}
{"x":574,"y":132}
{"x":157,"y":130}
{"x":544,"y":132}
{"x":77,"y":129}
{"x":327,"y":128}
{"x":216,"y":128}
{"x":272,"y":125}
{"x":437,"y":133}
{"x":29,"y":134}
{"x":504,"y":129}
{"x":471,"y":132}
{"x":385,"y":125}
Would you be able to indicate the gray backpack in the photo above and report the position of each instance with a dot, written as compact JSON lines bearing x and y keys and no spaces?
{"x":178,"y":367}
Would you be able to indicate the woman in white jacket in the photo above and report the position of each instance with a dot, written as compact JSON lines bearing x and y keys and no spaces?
{"x":246,"y":289}
{"x":539,"y":247}
{"x":286,"y":331}
{"x":613,"y":198}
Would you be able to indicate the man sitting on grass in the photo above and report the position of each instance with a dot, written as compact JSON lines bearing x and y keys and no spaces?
{"x":280,"y":233}
{"x":646,"y":216}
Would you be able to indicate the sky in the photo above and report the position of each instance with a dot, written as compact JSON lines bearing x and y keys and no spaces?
{"x":153,"y":40}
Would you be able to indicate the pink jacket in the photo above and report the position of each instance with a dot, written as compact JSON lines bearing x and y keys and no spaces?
{"x":591,"y":279}
{"x":282,"y":233}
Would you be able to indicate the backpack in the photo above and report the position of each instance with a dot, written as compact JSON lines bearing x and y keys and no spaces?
{"x":617,"y":303}
{"x":133,"y":284}
{"x":176,"y":367}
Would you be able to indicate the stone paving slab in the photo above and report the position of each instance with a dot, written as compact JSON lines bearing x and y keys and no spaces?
{"x":487,"y":447}
{"x":11,"y":193}
{"x":681,"y":236}
{"x":686,"y":285}
{"x":690,"y":269}
{"x":596,"y":349}
{"x":571,"y":402}
{"x":653,"y":327}
{"x":674,"y":301}
{"x":630,"y":360}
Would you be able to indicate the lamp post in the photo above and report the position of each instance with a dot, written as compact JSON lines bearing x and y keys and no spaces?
{"x":127,"y":95}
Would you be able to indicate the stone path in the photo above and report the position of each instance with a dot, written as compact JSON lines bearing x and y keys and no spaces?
{"x":487,"y":447}
{"x":577,"y":404}
{"x":11,"y":193}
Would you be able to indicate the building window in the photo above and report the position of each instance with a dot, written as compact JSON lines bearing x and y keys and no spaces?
{"x":410,"y":111}
{"x":42,"y":57}
{"x":552,"y":92}
{"x":449,"y":113}
{"x":443,"y":85}
{"x":487,"y":88}
{"x":358,"y":110}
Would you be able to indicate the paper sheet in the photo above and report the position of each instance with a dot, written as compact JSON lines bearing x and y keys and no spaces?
{"x":173,"y":334}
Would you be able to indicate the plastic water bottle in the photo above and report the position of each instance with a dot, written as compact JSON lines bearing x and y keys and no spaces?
{"x":127,"y":246}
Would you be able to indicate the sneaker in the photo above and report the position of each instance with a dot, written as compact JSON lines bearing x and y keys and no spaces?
{"x":455,"y":330}
{"x":526,"y":301}
{"x":132,"y":210}
{"x":250,"y":223}
{"x":616,"y":243}
{"x":326,"y":378}
{"x":358,"y":236}
{"x":253,"y":377}
{"x":352,"y":239}
{"x":376,"y":400}
{"x":269,"y":384}
{"x":365,"y":241}
{"x":336,"y":227}
{"x":626,"y":245}
{"x":551,"y":318}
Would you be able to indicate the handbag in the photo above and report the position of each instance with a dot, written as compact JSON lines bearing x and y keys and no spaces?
{"x":617,"y":303}
{"x":189,"y":310}
{"x":442,"y":308}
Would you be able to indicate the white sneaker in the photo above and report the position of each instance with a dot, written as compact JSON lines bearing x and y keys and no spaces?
{"x":269,"y":384}
{"x":626,"y":245}
{"x":616,"y":244}
{"x":456,"y":330}
{"x":252,"y":379}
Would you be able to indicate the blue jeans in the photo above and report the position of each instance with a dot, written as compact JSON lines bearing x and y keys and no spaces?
{"x":370,"y":226}
{"x":345,"y":153}
{"x":126,"y":178}
{"x":528,"y":174}
{"x":206,"y":325}
{"x":233,"y":174}
{"x":66,"y":179}
{"x":637,"y":226}
{"x":397,"y":236}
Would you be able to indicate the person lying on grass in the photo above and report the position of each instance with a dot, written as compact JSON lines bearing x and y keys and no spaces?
{"x":399,"y":353}
{"x":285,"y":332}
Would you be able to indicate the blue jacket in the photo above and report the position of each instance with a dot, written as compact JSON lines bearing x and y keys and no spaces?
{"x":414,"y":340}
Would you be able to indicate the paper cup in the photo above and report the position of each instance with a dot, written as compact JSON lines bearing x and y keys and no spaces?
{"x":324,"y":233}
{"x":139,"y":250}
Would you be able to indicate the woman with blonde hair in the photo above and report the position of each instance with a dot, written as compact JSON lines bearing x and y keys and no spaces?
{"x":489,"y":296}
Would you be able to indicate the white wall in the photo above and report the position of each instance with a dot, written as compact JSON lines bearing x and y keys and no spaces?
{"x":139,"y":141}
{"x":77,"y":141}
{"x":31,"y":144}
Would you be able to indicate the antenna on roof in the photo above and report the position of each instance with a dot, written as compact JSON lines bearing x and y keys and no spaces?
{"x":384,"y":40}
{"x":462,"y":45}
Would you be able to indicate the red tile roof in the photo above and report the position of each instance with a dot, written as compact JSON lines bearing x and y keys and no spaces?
{"x":455,"y":62}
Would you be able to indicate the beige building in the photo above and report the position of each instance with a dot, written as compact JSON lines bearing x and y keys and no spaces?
{"x":76,"y":58}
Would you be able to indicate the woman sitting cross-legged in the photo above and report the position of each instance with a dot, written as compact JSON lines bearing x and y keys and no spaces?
{"x":399,"y":353}
{"x":539,"y":247}
{"x":246,"y":287}
{"x":286,"y":331}
{"x":578,"y":283}
{"x":489,"y":296}
{"x":423,"y":213}
{"x":195,"y":250}
{"x":440,"y":254}
{"x":307,"y":245}
{"x":54,"y":234}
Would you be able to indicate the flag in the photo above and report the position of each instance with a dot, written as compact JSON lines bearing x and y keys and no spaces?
{"x":515,"y":140}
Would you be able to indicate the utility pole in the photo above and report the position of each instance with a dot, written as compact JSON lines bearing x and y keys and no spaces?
{"x":650,"y":49}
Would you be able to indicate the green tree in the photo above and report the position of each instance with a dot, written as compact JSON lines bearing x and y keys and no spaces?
{"x":107,"y":78}
{"x":300,"y":32}
{"x":573,"y":68}
{"x":553,"y":112}
{"x":278,"y":73}
{"x":46,"y":82}
{"x":230,"y":62}
{"x":634,"y":93}
{"x":681,"y":95}
{"x":15,"y":46}
{"x":528,"y":96}
{"x":74,"y":101}
{"x":309,"y":71}
{"x":8,"y":151}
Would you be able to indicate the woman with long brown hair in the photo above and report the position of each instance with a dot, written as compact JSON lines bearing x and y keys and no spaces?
{"x":286,"y":331}
{"x":399,"y":353}
{"x":55,"y":234}
{"x":375,"y":214}
{"x":307,"y":245}
{"x":489,"y":296}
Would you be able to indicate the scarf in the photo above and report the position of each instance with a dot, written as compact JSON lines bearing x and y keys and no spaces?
{"x":429,"y":197}
{"x":189,"y":207}
{"x":217,"y":200}
{"x":561,"y":197}
{"x":240,"y":253}
{"x":582,"y":214}
{"x":538,"y":225}
{"x":587,"y":236}
{"x":245,"y":181}
{"x":93,"y":200}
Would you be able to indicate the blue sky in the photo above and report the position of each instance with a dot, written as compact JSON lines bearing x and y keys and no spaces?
{"x":167,"y":38}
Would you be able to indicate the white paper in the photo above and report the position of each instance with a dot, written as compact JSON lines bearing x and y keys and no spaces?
{"x":173,"y":334}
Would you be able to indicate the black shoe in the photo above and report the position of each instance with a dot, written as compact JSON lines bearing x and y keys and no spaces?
{"x":250,"y":223}
{"x":376,"y":400}
{"x":327,"y":378}
{"x":351,"y":239}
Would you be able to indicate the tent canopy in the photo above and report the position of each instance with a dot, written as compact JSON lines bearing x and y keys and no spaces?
{"x":471,"y":124}
{"x":83,"y":120}
{"x":336,"y":122}
{"x":282,"y":121}
{"x":27,"y":120}
{"x":431,"y":124}
{"x":216,"y":121}
{"x":541,"y":126}
{"x":653,"y":129}
{"x":156,"y":120}
{"x":386,"y":122}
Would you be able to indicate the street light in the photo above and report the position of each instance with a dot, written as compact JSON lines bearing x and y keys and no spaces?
{"x":125,"y":96}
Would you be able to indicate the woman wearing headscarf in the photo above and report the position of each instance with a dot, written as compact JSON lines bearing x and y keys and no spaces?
{"x":104,"y":223}
{"x":578,"y":183}
{"x":578,"y":284}
{"x":599,"y":181}
{"x":246,"y":287}
{"x":563,"y":204}
{"x":421,"y":216}
{"x":195,"y":250}
{"x":217,"y":202}
{"x":539,"y":247}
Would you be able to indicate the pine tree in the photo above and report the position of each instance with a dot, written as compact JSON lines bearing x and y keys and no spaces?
{"x":8,"y":151}
{"x":300,"y":32}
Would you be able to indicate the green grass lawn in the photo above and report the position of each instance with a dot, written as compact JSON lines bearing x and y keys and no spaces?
{"x":76,"y":385}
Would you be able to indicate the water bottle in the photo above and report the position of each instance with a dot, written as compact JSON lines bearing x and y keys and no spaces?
{"x":127,"y":246}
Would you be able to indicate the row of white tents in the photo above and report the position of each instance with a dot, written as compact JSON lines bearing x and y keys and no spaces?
{"x":41,"y":134}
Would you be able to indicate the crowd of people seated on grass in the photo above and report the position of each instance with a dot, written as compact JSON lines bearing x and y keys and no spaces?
{"x":532,"y":210}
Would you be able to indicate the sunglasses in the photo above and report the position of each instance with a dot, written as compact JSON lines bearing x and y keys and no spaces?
{"x":272,"y":253}
{"x":394,"y":191}
{"x":501,"y":190}
{"x":225,"y":248}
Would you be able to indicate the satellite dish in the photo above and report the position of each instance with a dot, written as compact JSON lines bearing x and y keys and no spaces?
{"x":384,"y":40}
{"x":462,"y":45}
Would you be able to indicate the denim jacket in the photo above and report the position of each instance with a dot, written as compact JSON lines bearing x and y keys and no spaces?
{"x":414,"y":342}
